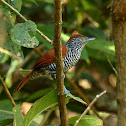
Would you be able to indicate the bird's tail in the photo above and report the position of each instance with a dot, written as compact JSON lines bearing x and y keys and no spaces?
{"x":23,"y":82}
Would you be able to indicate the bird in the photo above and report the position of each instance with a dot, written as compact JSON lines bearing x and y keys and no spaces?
{"x":71,"y":52}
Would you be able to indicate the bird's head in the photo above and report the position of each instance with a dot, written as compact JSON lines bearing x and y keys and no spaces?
{"x":79,"y":40}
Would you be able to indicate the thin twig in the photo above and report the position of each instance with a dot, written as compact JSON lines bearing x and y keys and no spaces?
{"x":82,"y":95}
{"x":114,"y":69}
{"x":59,"y":62}
{"x":16,"y":11}
{"x":10,"y":54}
{"x":89,"y":107}
{"x":7,"y":91}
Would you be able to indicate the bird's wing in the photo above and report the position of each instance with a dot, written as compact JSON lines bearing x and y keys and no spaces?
{"x":49,"y":58}
{"x":46,"y":59}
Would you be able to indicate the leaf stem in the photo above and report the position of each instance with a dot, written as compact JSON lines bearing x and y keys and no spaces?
{"x":89,"y":107}
{"x":18,"y":13}
{"x":7,"y":91}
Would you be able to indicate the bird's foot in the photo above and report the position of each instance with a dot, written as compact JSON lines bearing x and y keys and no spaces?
{"x":63,"y":76}
{"x":53,"y":75}
{"x":66,"y":92}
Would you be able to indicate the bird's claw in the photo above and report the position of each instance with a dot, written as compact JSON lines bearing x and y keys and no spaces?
{"x":66,"y":92}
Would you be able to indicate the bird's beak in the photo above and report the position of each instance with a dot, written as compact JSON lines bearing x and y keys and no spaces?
{"x":91,"y":38}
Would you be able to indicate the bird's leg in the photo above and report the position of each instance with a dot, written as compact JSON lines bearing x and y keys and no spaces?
{"x":66,"y":92}
{"x":53,"y":74}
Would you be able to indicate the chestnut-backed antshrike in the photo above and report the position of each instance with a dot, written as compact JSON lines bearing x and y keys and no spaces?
{"x":71,"y":52}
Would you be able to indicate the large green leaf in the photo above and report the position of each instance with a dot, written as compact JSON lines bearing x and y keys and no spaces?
{"x":10,"y":13}
{"x":24,"y":34}
{"x":87,"y":120}
{"x":18,"y":116}
{"x":40,"y":105}
{"x":6,"y":117}
{"x":45,"y":103}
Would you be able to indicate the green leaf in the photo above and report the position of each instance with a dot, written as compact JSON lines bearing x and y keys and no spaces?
{"x":76,"y":98}
{"x":23,"y":34}
{"x":6,"y":105}
{"x":10,"y":13}
{"x":38,"y":94}
{"x":40,"y":105}
{"x":2,"y":55}
{"x":18,"y":116}
{"x":13,"y":48}
{"x":6,"y":117}
{"x":87,"y":120}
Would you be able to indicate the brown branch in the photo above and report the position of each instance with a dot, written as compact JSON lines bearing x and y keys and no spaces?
{"x":18,"y":13}
{"x":7,"y":91}
{"x":89,"y":107}
{"x":118,"y":11}
{"x":59,"y":62}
